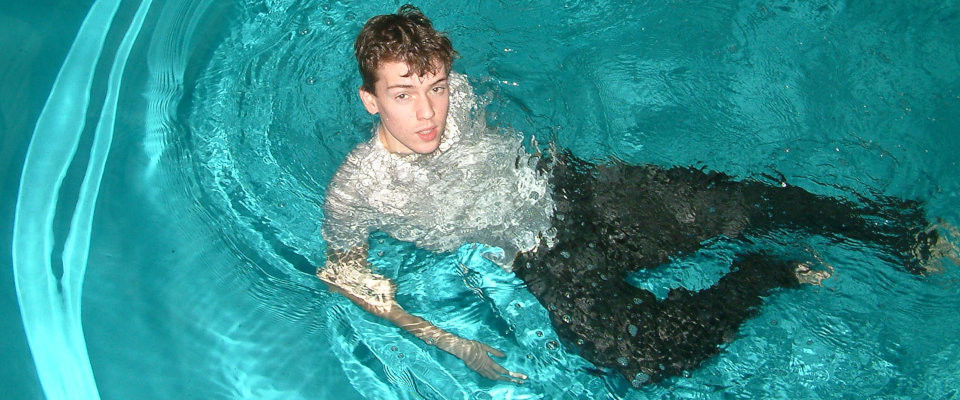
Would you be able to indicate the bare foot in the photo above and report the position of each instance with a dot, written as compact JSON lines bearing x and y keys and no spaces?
{"x":810,"y":276}
{"x":944,"y":248}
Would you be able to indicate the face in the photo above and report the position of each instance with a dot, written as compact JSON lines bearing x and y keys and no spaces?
{"x":413,"y":108}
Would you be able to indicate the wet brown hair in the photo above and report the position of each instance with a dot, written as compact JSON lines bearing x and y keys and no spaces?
{"x":408,"y":37}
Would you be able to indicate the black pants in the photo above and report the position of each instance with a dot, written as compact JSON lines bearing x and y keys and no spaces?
{"x":615,"y":219}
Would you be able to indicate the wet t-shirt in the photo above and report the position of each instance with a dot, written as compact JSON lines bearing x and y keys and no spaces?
{"x":480,"y":186}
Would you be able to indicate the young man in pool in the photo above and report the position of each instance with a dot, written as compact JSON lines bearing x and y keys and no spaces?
{"x":405,"y":65}
{"x":577,"y":229}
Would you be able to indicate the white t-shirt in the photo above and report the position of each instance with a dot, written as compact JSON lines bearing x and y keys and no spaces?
{"x":480,"y":186}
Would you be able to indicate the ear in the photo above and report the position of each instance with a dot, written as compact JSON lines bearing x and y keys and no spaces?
{"x":369,"y":101}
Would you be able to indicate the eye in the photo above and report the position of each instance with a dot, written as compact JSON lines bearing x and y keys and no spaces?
{"x":439,"y":89}
{"x":402,"y":96}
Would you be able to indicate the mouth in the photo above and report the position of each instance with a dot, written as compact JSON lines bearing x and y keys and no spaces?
{"x":427,"y":134}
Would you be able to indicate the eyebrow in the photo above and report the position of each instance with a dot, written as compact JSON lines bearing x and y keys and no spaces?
{"x":407,"y":86}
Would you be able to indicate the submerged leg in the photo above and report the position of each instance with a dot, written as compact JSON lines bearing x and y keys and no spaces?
{"x":673,"y":210}
{"x":649,"y":214}
{"x":625,"y":328}
{"x":616,"y":219}
{"x":899,"y":227}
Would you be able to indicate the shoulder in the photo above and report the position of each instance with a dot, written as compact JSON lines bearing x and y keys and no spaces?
{"x":458,"y":83}
{"x":359,"y":161}
{"x":362,"y":171}
{"x":461,"y":93}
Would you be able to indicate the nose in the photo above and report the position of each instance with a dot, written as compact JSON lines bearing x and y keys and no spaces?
{"x":425,"y":108}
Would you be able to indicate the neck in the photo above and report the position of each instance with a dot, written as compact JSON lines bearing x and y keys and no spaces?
{"x":383,"y":138}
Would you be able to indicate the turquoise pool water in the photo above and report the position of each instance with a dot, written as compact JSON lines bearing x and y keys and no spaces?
{"x":163,"y":166}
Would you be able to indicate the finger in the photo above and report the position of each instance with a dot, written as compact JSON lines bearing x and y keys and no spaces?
{"x":502,"y":374}
{"x":507,"y":375}
{"x":517,"y":375}
{"x":508,"y":378}
{"x":494,"y":351}
{"x":483,"y":366}
{"x":491,"y":375}
{"x":511,"y":378}
{"x":499,"y":369}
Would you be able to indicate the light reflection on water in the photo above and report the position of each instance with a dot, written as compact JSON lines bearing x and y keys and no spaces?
{"x":232,"y":118}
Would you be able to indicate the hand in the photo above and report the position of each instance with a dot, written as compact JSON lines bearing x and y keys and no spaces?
{"x":477,"y":356}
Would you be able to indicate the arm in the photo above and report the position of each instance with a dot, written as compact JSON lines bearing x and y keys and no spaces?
{"x":348,"y":273}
